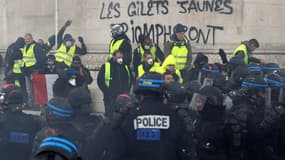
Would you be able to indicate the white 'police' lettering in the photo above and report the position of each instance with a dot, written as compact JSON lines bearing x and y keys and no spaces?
{"x":152,"y":121}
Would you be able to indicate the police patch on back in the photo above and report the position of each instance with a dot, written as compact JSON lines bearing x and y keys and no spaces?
{"x":148,"y":126}
{"x":152,"y":121}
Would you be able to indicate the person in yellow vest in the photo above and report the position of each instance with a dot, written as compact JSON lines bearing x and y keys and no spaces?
{"x":120,"y":42}
{"x":114,"y":78}
{"x":67,"y":48}
{"x":148,"y":65}
{"x":169,"y":65}
{"x":15,"y":74}
{"x":33,"y":57}
{"x":146,"y":45}
{"x":179,"y":46}
{"x":244,"y":52}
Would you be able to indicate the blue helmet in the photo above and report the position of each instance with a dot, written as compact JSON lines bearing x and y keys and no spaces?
{"x":58,"y":146}
{"x":149,"y":83}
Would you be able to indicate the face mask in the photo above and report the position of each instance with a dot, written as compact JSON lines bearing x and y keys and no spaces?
{"x":150,"y":61}
{"x":147,"y":47}
{"x":51,"y":66}
{"x":72,"y":82}
{"x":120,"y":60}
{"x":68,"y":43}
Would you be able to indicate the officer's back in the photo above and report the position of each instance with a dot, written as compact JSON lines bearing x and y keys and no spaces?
{"x":151,"y":130}
{"x":17,"y":128}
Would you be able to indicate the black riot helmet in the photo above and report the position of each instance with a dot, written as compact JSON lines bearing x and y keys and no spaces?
{"x":237,"y":76}
{"x":208,"y":72}
{"x":191,"y":88}
{"x":269,"y":68}
{"x":276,"y":85}
{"x":200,"y":60}
{"x":174,"y":92}
{"x":124,"y":102}
{"x":208,"y":97}
{"x":254,"y":89}
{"x":221,"y":82}
{"x":11,"y":98}
{"x":254,"y":69}
{"x":58,"y":109}
{"x":149,"y":84}
{"x":57,"y":148}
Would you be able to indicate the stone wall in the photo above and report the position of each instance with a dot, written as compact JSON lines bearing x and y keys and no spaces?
{"x":211,"y":24}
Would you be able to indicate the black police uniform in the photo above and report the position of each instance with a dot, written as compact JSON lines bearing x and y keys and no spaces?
{"x":17,"y":134}
{"x":106,"y":141}
{"x":250,"y":114}
{"x":214,"y":128}
{"x":58,"y":116}
{"x":153,"y":130}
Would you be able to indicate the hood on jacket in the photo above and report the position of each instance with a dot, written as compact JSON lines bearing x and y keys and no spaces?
{"x":169,"y":60}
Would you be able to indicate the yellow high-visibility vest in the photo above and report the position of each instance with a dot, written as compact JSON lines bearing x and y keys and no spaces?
{"x":114,"y":46}
{"x":154,"y":68}
{"x":63,"y":56}
{"x":181,"y":55}
{"x":242,"y":48}
{"x":29,"y":58}
{"x":152,"y":51}
{"x":18,"y":64}
{"x":107,"y":74}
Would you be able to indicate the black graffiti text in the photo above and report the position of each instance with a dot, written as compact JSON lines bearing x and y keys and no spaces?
{"x":148,"y":8}
{"x":110,"y":10}
{"x":160,"y":32}
{"x":213,"y":6}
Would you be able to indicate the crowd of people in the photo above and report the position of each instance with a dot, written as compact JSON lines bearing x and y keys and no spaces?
{"x":159,"y":104}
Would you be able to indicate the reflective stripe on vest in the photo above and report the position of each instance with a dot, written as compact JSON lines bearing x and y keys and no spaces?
{"x":108,"y":77}
{"x":152,"y":51}
{"x":154,"y":68}
{"x":17,"y":83}
{"x":114,"y":46}
{"x":29,"y":58}
{"x":18,"y":64}
{"x":63,"y":56}
{"x":242,"y":48}
{"x":181,"y":54}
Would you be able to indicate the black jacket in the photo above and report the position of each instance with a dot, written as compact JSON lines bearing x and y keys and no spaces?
{"x":83,"y":75}
{"x":17,"y":135}
{"x":250,"y":117}
{"x":147,"y":138}
{"x":120,"y":82}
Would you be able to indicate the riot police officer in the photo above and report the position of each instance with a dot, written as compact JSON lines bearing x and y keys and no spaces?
{"x":272,"y":124}
{"x":58,"y":116}
{"x":106,"y":141}
{"x":17,"y":128}
{"x":152,"y":130}
{"x":249,"y":113}
{"x":214,"y":133}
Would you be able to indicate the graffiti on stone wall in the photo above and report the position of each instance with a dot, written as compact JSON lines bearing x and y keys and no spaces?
{"x":160,"y":32}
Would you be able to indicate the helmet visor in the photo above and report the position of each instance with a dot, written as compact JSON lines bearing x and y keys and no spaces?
{"x":207,"y":82}
{"x":198,"y":102}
